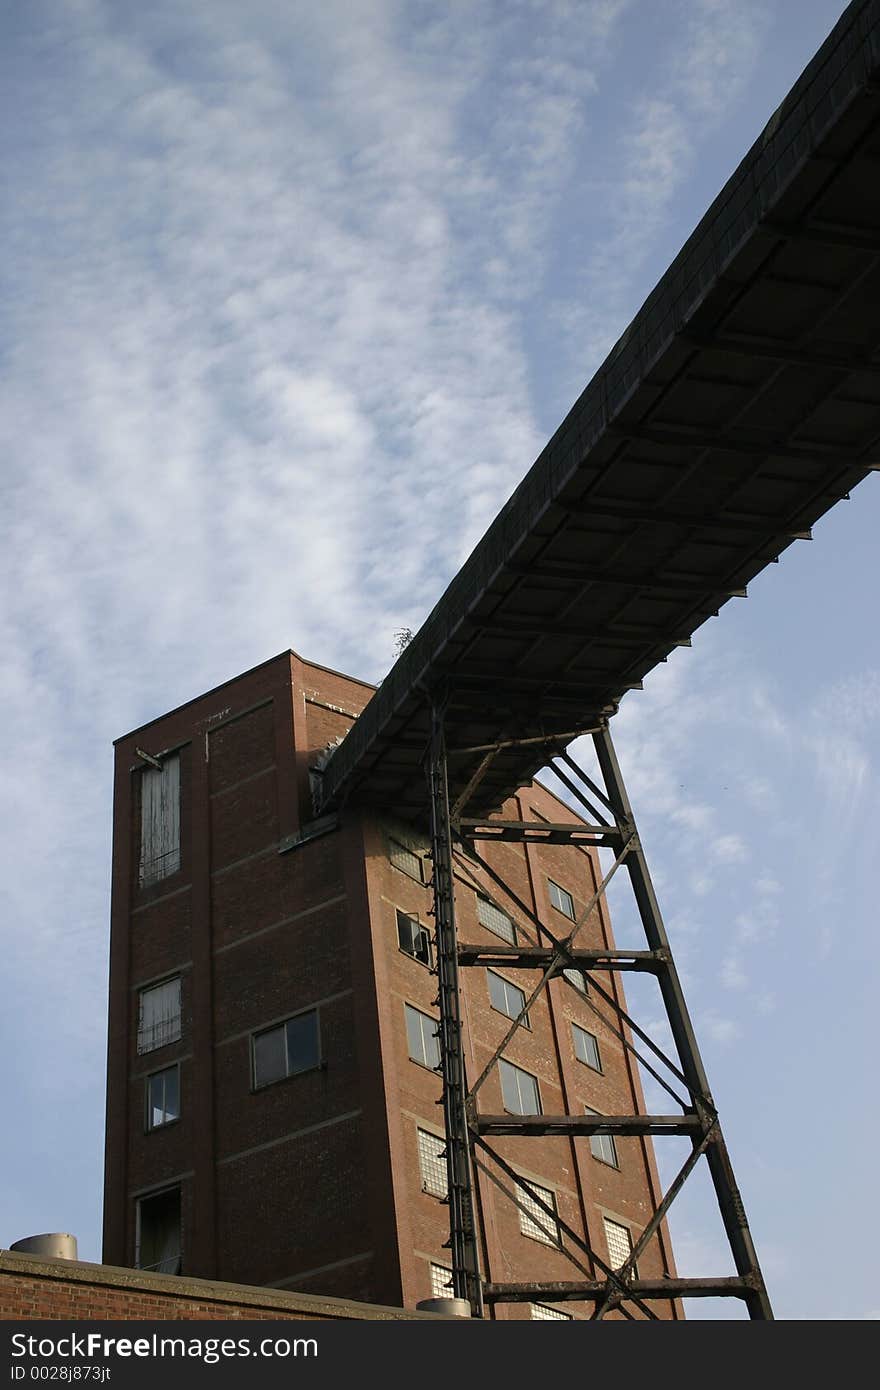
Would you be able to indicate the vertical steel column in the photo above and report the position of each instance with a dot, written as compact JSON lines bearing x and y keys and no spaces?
{"x":729,"y":1200}
{"x":466,"y":1279}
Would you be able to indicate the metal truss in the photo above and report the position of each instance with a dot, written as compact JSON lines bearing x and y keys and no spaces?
{"x":455,"y":838}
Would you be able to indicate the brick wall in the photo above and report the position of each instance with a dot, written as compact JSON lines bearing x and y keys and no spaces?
{"x":35,"y":1289}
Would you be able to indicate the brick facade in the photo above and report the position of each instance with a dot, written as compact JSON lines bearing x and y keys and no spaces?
{"x":33,"y":1289}
{"x":313,"y":1182}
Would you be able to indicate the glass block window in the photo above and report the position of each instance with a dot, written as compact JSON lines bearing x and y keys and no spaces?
{"x":413,"y":938}
{"x":406,"y":860}
{"x":548,"y":1314}
{"x":497,"y":921}
{"x":506,"y":998}
{"x":421,"y":1036}
{"x":158,"y":1015}
{"x":578,"y":979}
{"x":586,"y":1048}
{"x":432,"y":1163}
{"x":163,"y":1097}
{"x":160,"y":821}
{"x":619,"y":1242}
{"x":560,"y":899}
{"x":441,"y":1281}
{"x":535,"y":1222}
{"x":602,"y":1145}
{"x":519,"y":1090}
{"x":286,"y":1049}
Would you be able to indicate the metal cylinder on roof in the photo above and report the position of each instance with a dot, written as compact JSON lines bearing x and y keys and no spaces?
{"x":450,"y":1307}
{"x":55,"y":1245}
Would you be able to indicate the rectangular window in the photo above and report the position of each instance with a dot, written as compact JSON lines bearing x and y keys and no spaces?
{"x":441,"y":1281}
{"x":577,"y":978}
{"x":421,"y":1034}
{"x":287,"y":1049}
{"x":413,"y":938}
{"x":619,"y":1241}
{"x":160,"y":821}
{"x":548,"y":1314}
{"x":163,"y":1097}
{"x":432,"y":1163}
{"x":560,"y":899}
{"x":602,"y":1145}
{"x":586,"y":1047}
{"x":506,"y":998}
{"x":534,"y":1222}
{"x":158,"y":1232}
{"x":158,"y":1015}
{"x":406,"y":860}
{"x":497,"y":921}
{"x":519,"y":1090}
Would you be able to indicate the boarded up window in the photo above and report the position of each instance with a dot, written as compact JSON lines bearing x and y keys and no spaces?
{"x":159,"y":1015}
{"x":160,"y":821}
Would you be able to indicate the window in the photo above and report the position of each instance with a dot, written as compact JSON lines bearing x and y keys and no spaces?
{"x":413,"y":938}
{"x":543,"y":1310}
{"x":406,"y":860}
{"x":506,"y":998}
{"x":421,"y":1034}
{"x":160,"y":821}
{"x":578,"y":979}
{"x":586,"y":1048}
{"x":561,"y":900}
{"x":158,"y":1232}
{"x":619,"y":1241}
{"x":158,"y":1015}
{"x":286,"y":1049}
{"x":163,"y":1097}
{"x":534,"y":1222}
{"x":441,"y":1281}
{"x":602,"y":1145}
{"x":432,"y":1163}
{"x":519,"y":1090}
{"x":497,"y":921}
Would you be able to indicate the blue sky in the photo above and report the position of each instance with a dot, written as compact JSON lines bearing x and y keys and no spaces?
{"x":292,"y":296}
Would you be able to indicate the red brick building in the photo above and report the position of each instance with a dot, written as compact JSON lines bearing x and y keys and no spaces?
{"x":272,"y":1113}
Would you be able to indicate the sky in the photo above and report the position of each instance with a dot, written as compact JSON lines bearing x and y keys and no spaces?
{"x":291,"y":297}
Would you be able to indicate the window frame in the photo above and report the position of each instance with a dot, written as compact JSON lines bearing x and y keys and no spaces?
{"x":563,"y":894}
{"x":541,"y":1234}
{"x":281,"y":1026}
{"x":508,"y":984}
{"x":409,"y":917}
{"x":147,"y":989}
{"x":438,"y":1290}
{"x":548,"y":1313}
{"x":602,"y":1139}
{"x":583,"y":985}
{"x":397,"y":845}
{"x":420,"y":1013}
{"x":502,"y":936}
{"x":621,"y":1226}
{"x":162,"y":866}
{"x":502,"y":1063}
{"x":149,"y":1127}
{"x":139,"y":1228}
{"x":440,"y":1141}
{"x":577,"y":1028}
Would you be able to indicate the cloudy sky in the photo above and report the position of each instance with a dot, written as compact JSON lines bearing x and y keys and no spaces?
{"x":292,"y":295}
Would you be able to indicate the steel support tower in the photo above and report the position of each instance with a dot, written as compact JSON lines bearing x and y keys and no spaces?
{"x":469,"y":1130}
